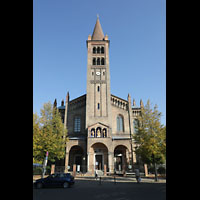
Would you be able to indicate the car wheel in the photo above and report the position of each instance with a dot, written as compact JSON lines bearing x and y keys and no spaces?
{"x":65,"y":185}
{"x":39,"y":185}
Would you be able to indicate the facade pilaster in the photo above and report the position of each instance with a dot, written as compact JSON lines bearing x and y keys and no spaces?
{"x":111,"y":161}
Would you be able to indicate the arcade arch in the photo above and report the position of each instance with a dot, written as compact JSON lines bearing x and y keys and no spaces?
{"x":98,"y":156}
{"x":121,"y":158}
{"x":76,"y":155}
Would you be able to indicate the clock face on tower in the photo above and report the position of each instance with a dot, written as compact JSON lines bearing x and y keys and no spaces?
{"x":98,"y":73}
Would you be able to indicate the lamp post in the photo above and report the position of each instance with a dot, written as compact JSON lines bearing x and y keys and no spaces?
{"x":84,"y":167}
{"x":45,"y":164}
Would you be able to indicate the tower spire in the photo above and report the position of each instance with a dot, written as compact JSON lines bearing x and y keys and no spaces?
{"x":55,"y":104}
{"x":134,"y":104}
{"x":141,"y":103}
{"x":98,"y":32}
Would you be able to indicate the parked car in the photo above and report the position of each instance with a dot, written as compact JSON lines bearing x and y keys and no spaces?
{"x":64,"y":180}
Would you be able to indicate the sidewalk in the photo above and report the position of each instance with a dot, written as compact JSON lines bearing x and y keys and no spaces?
{"x":121,"y":179}
{"x":111,"y":178}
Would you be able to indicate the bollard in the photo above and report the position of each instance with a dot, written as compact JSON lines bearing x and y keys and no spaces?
{"x":74,"y":170}
{"x":105,"y":170}
{"x":100,"y":180}
{"x":114,"y":180}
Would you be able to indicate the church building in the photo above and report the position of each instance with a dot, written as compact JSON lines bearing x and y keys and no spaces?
{"x":99,"y":123}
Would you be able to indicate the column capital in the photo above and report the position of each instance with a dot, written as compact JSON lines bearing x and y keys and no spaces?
{"x":110,"y":153}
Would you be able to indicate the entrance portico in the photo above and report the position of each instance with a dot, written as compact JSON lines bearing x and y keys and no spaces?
{"x":97,"y":157}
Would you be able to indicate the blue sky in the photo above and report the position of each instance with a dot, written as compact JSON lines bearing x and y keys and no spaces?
{"x":137,"y":33}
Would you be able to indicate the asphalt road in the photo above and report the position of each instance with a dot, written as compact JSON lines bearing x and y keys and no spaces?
{"x":107,"y":190}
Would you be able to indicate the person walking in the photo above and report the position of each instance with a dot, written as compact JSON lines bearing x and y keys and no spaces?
{"x":137,"y":175}
{"x":96,"y":175}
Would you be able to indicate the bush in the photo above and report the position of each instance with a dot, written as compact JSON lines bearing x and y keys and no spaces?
{"x":151,"y":169}
{"x":37,"y":170}
{"x":48,"y":170}
{"x":161,"y":170}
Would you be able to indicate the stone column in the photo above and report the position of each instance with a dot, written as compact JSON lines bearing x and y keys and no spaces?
{"x":52,"y":169}
{"x":105,"y":170}
{"x":88,"y":161}
{"x":130,"y":127}
{"x":66,"y":161}
{"x":74,"y":170}
{"x":111,"y":162}
{"x":65,"y":126}
{"x":145,"y":170}
{"x":84,"y":163}
{"x":124,"y":170}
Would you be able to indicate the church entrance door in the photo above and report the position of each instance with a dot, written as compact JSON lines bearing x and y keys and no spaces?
{"x":98,"y":162}
{"x":98,"y":158}
{"x":119,"y":163}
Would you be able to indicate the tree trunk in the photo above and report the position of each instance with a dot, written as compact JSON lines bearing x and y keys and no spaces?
{"x":156,"y":175}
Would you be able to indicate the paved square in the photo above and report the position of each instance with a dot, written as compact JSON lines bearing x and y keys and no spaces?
{"x":89,"y":188}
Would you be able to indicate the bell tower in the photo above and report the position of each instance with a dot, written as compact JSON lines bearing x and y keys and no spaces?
{"x":98,"y":107}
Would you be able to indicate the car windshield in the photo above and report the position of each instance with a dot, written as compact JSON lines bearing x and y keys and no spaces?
{"x":52,"y":176}
{"x":60,"y":175}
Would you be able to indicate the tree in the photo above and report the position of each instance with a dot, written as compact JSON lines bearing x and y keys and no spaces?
{"x":49,"y":134}
{"x":36,"y":138}
{"x":150,"y":137}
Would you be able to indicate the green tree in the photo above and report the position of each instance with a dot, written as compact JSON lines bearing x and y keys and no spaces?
{"x":36,"y":138}
{"x":150,"y":136}
{"x":49,"y":135}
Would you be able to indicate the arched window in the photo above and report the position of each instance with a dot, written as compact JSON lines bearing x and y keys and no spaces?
{"x":98,"y":49}
{"x":94,"y":50}
{"x":135,"y":125}
{"x":120,"y":123}
{"x":77,"y":124}
{"x":102,"y":61}
{"x":98,"y":61}
{"x":94,"y":61}
{"x":102,"y":49}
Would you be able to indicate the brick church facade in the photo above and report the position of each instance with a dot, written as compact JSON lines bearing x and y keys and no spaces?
{"x":99,"y":123}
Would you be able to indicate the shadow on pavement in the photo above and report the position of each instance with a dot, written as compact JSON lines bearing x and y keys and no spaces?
{"x":118,"y":179}
{"x":91,"y":189}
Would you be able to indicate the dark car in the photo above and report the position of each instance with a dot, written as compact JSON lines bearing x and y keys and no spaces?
{"x":64,"y":180}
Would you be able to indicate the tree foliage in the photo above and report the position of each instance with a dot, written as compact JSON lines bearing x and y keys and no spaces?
{"x":150,"y":136}
{"x":49,"y":134}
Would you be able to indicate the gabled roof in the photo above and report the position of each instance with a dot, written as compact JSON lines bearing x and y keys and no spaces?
{"x":98,"y":32}
{"x":99,"y":124}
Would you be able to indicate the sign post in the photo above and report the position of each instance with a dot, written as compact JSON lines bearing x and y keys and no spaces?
{"x":45,"y":164}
